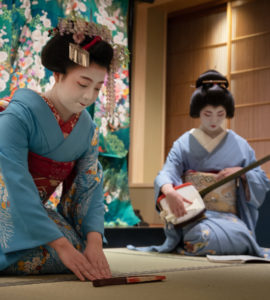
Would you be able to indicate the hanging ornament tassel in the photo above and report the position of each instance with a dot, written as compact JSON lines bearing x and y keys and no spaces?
{"x":110,"y":97}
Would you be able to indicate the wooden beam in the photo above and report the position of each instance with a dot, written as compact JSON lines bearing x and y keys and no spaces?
{"x":137,"y":120}
{"x":240,"y":72}
{"x":251,"y":36}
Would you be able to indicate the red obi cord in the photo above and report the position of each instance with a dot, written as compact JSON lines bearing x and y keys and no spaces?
{"x":48,"y":173}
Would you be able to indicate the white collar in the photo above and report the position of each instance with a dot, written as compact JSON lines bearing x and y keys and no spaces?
{"x":206,"y":141}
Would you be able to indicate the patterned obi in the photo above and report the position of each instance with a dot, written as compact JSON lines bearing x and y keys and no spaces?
{"x":221,"y":199}
{"x":48,"y":173}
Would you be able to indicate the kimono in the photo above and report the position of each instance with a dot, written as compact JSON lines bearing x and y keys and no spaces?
{"x":35,"y":157}
{"x":220,"y":233}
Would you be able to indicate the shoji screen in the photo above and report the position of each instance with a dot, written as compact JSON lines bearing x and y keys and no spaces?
{"x":196,"y":42}
{"x":234,"y":39}
{"x":250,"y":73}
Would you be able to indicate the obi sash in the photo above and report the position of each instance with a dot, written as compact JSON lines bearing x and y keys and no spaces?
{"x":221,"y":199}
{"x":48,"y":173}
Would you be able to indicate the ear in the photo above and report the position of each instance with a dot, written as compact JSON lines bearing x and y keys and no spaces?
{"x":56,"y":76}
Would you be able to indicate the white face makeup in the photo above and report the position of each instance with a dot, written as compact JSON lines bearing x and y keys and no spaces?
{"x":77,"y":89}
{"x":211,"y":119}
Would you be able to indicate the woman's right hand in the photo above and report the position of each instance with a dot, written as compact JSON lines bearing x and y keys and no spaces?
{"x":176,"y":203}
{"x":174,"y":200}
{"x":72,"y":259}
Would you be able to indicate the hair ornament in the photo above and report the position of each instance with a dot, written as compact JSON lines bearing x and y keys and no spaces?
{"x":211,"y":89}
{"x":78,"y":55}
{"x":80,"y":28}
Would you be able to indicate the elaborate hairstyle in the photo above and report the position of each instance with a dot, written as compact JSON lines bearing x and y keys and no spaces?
{"x":55,"y":54}
{"x":211,"y":89}
{"x":78,"y":42}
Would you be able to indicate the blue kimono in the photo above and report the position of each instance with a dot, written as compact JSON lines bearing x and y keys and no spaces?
{"x":218,"y":233}
{"x":26,"y":226}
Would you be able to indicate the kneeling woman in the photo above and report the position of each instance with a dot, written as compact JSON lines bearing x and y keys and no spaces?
{"x":48,"y":139}
{"x":211,"y":153}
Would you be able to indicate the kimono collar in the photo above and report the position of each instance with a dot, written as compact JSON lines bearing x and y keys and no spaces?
{"x":206,"y":141}
{"x":51,"y":130}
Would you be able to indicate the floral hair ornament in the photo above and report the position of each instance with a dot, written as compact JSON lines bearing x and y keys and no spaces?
{"x":80,"y":55}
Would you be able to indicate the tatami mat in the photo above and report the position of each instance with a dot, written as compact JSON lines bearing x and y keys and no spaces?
{"x":187,"y":278}
{"x":134,"y":262}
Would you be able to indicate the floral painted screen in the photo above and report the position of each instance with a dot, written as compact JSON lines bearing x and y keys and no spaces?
{"x":24,"y":26}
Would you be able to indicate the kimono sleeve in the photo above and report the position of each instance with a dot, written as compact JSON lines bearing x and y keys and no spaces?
{"x":83,"y":203}
{"x":24,"y":222}
{"x":258,"y":183}
{"x":172,"y":169}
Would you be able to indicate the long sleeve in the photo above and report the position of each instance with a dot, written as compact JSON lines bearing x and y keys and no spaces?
{"x":83,"y":204}
{"x":24,"y":223}
{"x":258,"y":185}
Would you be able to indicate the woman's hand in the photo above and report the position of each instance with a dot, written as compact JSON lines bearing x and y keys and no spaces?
{"x":96,"y":257}
{"x":227,"y":172}
{"x":73,"y":259}
{"x":175,"y":200}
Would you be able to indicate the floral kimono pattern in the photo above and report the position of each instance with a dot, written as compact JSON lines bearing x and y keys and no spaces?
{"x":24,"y":31}
{"x":26,"y":225}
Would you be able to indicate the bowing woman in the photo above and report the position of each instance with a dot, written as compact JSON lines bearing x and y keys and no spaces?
{"x":205,"y":154}
{"x":48,"y":139}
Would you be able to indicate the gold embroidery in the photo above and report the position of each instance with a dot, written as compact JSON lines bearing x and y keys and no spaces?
{"x":95,"y":137}
{"x":222,"y":199}
{"x":6,"y":223}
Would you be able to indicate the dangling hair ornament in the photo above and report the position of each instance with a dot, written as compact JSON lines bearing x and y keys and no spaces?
{"x":80,"y":55}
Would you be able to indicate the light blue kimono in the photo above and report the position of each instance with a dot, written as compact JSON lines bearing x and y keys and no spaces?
{"x":219,"y":233}
{"x":26,"y":226}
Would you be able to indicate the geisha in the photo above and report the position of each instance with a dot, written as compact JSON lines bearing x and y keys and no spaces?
{"x":50,"y":139}
{"x":208,"y":154}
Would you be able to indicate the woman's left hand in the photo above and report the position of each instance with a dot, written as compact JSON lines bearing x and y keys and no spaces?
{"x":96,"y":257}
{"x":227,"y":172}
